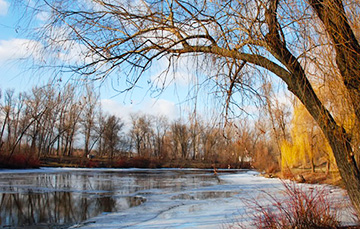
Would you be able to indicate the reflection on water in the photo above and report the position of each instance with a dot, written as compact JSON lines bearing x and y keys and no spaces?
{"x":57,"y":200}
{"x":55,"y":209}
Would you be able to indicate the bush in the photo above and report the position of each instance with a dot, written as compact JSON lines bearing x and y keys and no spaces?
{"x":122,"y":163}
{"x":299,"y":209}
{"x":139,"y":162}
{"x":33,"y":162}
{"x":19,"y":161}
{"x":265,"y":160}
{"x":92,"y":164}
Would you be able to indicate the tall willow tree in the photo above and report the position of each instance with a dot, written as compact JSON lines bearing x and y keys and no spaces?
{"x":308,"y":144}
{"x":239,"y":41}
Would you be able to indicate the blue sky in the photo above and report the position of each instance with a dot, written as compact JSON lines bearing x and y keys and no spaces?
{"x":174,"y":102}
{"x":15,"y":74}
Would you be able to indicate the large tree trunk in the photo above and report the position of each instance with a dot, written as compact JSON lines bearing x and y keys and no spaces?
{"x":338,"y":140}
{"x":300,"y":86}
{"x":346,"y":164}
{"x":333,"y":16}
{"x":337,"y":137}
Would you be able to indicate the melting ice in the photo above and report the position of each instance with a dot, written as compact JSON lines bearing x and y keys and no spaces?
{"x":137,"y":198}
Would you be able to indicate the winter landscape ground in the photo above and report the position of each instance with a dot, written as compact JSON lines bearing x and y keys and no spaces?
{"x":142,"y":198}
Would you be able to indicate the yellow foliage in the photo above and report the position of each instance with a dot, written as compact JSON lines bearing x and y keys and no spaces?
{"x":308,"y":145}
{"x":288,"y":155}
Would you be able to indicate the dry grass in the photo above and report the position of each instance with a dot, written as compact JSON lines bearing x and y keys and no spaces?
{"x":318,"y":177}
{"x":300,"y":209}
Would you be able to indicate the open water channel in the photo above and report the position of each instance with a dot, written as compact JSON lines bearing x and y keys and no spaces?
{"x":128,"y":198}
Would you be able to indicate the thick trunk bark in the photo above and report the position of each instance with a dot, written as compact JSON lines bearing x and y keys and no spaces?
{"x":333,"y":16}
{"x":346,"y":164}
{"x":300,"y":86}
{"x":337,"y":137}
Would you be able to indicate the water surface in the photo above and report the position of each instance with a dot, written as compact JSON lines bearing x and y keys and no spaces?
{"x":60,"y":198}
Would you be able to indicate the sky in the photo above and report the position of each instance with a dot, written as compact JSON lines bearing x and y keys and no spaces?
{"x":20,"y":76}
{"x":16,"y":72}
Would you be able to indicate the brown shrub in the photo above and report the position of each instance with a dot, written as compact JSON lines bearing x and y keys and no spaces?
{"x":139,"y":162}
{"x":19,"y":161}
{"x":91,"y":164}
{"x":122,"y":163}
{"x":265,"y":160}
{"x":299,"y":209}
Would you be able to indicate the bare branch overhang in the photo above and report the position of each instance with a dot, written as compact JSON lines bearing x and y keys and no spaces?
{"x":250,"y":58}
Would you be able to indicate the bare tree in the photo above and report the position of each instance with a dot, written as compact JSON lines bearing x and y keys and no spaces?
{"x":111,"y":135}
{"x":8,"y":111}
{"x":69,"y":120}
{"x":141,"y":132}
{"x":210,"y":137}
{"x":268,"y":35}
{"x":89,"y":101}
{"x":161,"y":127}
{"x":65,"y":100}
{"x":181,"y":139}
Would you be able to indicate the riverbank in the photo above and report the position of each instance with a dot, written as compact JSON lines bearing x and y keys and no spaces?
{"x":135,"y":162}
{"x":309,"y":177}
{"x":298,"y":175}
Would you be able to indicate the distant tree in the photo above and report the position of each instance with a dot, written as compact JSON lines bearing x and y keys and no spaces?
{"x":161,"y":128}
{"x":8,"y":109}
{"x":100,"y":121}
{"x":90,"y":104}
{"x":111,"y":135}
{"x":307,"y":145}
{"x":210,"y":137}
{"x":70,"y":120}
{"x":278,"y":115}
{"x":194,"y":130}
{"x":181,"y":139}
{"x":65,"y":100}
{"x":141,"y":132}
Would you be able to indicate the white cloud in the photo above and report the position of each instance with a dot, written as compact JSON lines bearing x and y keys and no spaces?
{"x":178,"y":77}
{"x":115,"y":108}
{"x":67,"y":52}
{"x":43,"y":16}
{"x":19,"y":48}
{"x":4,"y":7}
{"x":163,"y":107}
{"x":182,"y":73}
{"x":63,"y":48}
{"x":74,"y":53}
{"x":154,"y":107}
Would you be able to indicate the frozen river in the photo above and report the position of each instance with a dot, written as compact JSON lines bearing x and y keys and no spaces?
{"x":134,"y":198}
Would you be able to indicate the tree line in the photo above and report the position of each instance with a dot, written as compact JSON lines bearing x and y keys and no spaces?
{"x":69,"y":121}
{"x":65,"y":121}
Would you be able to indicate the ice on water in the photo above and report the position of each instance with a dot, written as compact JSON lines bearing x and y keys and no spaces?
{"x":189,"y":209}
{"x":157,"y":198}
